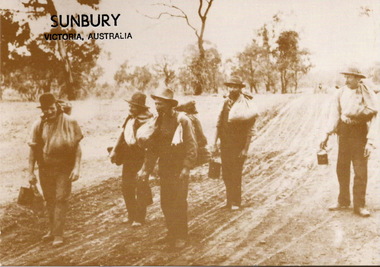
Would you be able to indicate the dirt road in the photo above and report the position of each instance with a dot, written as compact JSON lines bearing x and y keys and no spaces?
{"x":284,"y":220}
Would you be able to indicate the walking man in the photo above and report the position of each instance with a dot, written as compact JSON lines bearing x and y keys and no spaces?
{"x":133,"y":157}
{"x":235,"y":138}
{"x":54,"y":145}
{"x":354,"y":121}
{"x":175,"y":146}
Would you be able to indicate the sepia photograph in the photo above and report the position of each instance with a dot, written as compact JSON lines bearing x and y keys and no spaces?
{"x":189,"y":132}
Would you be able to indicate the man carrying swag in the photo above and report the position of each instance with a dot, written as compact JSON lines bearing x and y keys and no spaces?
{"x":175,"y":146}
{"x":54,"y":145}
{"x":354,"y":120}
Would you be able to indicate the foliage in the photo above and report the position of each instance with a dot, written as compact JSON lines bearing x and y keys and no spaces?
{"x":164,"y":70}
{"x":248,"y":67}
{"x":375,"y":73}
{"x":201,"y":74}
{"x":202,"y":78}
{"x":34,"y":64}
{"x":141,"y":78}
{"x":267,"y":59}
{"x":291,"y":60}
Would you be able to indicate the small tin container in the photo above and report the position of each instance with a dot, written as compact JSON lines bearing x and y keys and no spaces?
{"x":214,"y":169}
{"x":25,"y":196}
{"x":322,"y":157}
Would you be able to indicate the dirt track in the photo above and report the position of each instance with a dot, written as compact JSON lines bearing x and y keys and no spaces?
{"x":284,"y":220}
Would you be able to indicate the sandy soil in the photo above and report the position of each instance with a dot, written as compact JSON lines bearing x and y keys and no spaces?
{"x":284,"y":221}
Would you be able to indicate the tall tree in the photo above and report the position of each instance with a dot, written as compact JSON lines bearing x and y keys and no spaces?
{"x":248,"y":65}
{"x":175,"y":11}
{"x":291,"y":60}
{"x":69,"y":51}
{"x":267,"y":59}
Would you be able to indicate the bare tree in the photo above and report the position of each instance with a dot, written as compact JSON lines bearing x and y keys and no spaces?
{"x":177,"y":12}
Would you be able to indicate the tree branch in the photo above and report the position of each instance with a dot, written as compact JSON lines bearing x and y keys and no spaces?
{"x":183,"y":16}
{"x":200,"y":9}
{"x":208,"y":7}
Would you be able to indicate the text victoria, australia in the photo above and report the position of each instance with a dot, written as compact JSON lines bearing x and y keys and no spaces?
{"x":85,"y":20}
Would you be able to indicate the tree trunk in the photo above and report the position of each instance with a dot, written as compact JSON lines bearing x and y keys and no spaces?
{"x":283,"y":82}
{"x":69,"y":88}
{"x":254,"y":86}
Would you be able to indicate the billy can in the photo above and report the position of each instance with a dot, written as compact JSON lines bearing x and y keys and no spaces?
{"x":214,"y":169}
{"x":322,"y":157}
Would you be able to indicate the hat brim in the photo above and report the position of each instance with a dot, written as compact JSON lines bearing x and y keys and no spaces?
{"x":135,"y":104}
{"x":240,"y":85}
{"x":354,"y":74}
{"x":172,"y":101}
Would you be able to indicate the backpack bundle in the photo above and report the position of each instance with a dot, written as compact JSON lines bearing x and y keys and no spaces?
{"x":243,"y":109}
{"x":190,"y":110}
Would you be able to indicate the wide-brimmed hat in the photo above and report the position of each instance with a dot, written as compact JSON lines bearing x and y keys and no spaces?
{"x":138,"y":99}
{"x":188,"y":107}
{"x":235,"y":81}
{"x":354,"y":71}
{"x":46,"y":100}
{"x":165,"y":95}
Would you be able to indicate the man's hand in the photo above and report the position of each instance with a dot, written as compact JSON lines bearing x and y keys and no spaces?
{"x":368,"y":150}
{"x":323,"y":144}
{"x":32,"y":179}
{"x":184,"y":174}
{"x":142,"y":176}
{"x":74,"y":175}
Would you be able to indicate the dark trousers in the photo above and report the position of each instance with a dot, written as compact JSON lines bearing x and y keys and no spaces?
{"x":56,"y":188}
{"x":136,"y":210}
{"x":232,"y":168}
{"x":351,"y":149}
{"x":174,"y":205}
{"x":352,"y":141}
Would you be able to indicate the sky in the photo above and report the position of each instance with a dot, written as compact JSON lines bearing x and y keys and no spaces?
{"x":332,"y":30}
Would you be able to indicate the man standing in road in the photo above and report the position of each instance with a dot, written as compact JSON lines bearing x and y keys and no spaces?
{"x":354,"y":120}
{"x":235,"y":138}
{"x":55,"y":147}
{"x":175,"y":146}
{"x":132,"y":158}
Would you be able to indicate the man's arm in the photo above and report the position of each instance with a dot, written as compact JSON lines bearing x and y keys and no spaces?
{"x":32,"y":162}
{"x":190,"y":143}
{"x":118,"y":142}
{"x":217,"y":131}
{"x":76,"y":170}
{"x":373,"y":130}
{"x":78,"y":136}
{"x":33,"y":144}
{"x":333,"y":120}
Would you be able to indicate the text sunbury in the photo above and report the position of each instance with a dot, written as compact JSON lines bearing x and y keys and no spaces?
{"x":85,"y":20}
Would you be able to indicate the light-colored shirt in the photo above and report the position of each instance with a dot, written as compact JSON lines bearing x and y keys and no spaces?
{"x":345,"y":100}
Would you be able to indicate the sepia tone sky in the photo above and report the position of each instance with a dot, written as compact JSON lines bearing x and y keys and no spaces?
{"x":332,"y":30}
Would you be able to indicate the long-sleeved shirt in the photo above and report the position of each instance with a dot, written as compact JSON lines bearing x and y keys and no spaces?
{"x":345,"y":100}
